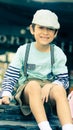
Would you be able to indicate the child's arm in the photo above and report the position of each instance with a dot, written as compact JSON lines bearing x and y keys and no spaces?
{"x":62,"y":79}
{"x":10,"y":79}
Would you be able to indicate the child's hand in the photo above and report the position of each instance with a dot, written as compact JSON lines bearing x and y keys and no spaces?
{"x":5,"y":100}
{"x":46,"y":92}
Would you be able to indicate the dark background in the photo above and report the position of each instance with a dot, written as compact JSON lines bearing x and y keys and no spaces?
{"x":16,"y":16}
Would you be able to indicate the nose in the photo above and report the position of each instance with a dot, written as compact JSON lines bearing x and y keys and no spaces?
{"x":45,"y":31}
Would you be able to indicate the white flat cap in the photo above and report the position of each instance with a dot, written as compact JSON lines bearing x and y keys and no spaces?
{"x":46,"y":18}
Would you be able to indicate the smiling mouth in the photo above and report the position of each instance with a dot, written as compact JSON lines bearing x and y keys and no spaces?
{"x":44,"y":37}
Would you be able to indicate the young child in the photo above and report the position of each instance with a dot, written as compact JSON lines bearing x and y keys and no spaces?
{"x":36,"y":89}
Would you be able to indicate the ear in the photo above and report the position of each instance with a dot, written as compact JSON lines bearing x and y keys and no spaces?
{"x":31,"y":29}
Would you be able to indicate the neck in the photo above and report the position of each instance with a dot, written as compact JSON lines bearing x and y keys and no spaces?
{"x":42,"y":48}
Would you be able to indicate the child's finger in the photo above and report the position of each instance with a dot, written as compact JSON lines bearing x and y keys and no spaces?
{"x":5,"y":101}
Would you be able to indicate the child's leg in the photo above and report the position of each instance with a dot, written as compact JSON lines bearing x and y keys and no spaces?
{"x":33,"y":98}
{"x":59,"y":95}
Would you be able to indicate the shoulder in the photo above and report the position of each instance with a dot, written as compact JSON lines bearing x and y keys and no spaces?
{"x":19,"y":57}
{"x":22,"y":47}
{"x":58,"y":53}
{"x":58,"y":50}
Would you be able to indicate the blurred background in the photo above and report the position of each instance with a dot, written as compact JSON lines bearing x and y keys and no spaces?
{"x":15,"y":18}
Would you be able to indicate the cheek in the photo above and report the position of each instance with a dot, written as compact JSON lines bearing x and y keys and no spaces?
{"x":36,"y":34}
{"x":52,"y":36}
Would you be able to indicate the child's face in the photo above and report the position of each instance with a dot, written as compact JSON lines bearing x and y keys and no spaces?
{"x":43,"y":35}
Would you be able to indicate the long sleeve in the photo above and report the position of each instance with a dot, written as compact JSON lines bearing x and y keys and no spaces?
{"x":10,"y":79}
{"x":12,"y":74}
{"x":60,"y":69}
{"x":62,"y":79}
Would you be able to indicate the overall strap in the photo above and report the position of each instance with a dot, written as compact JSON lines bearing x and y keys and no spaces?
{"x":52,"y":56}
{"x":27,"y":53}
{"x":26,"y":58}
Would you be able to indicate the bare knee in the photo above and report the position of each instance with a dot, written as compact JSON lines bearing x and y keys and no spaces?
{"x":31,"y":90}
{"x":32,"y":87}
{"x":58,"y":92}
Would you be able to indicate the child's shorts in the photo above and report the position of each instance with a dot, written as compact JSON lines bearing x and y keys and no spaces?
{"x":18,"y":96}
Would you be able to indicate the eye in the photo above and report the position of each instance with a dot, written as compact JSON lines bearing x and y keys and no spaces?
{"x":41,"y":27}
{"x":50,"y":29}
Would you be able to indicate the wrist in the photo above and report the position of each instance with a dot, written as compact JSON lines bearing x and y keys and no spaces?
{"x":7,"y":94}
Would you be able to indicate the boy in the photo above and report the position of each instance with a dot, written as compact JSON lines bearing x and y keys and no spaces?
{"x":36,"y":89}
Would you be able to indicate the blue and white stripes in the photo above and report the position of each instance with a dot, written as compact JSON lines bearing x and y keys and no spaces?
{"x":10,"y":79}
{"x":63,"y":78}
